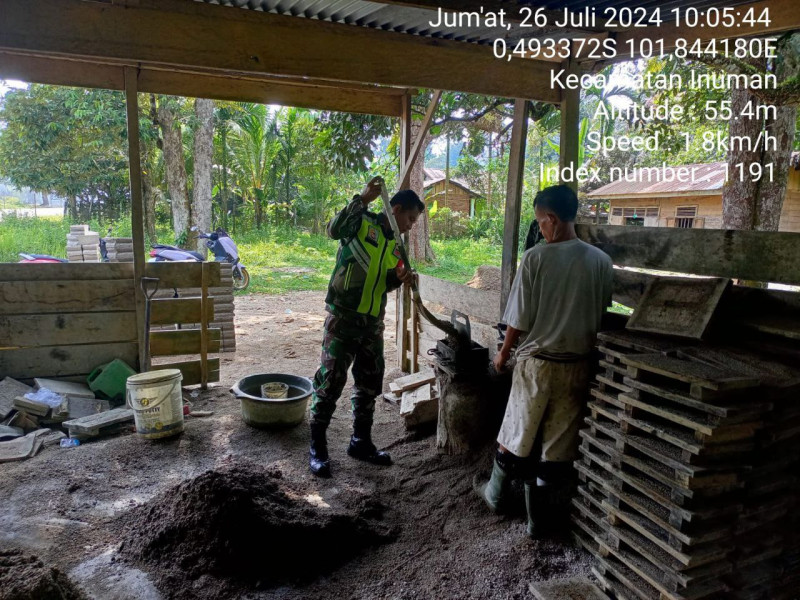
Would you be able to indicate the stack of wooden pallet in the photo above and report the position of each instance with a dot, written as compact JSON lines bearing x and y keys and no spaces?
{"x":119,"y":249}
{"x":83,"y":245}
{"x":689,"y":471}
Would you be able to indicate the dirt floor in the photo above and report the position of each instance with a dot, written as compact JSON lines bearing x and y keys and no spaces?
{"x":228,"y":511}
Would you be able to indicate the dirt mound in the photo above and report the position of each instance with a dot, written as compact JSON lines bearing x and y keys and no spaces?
{"x":239,"y":526}
{"x":486,"y":278}
{"x":25,"y":577}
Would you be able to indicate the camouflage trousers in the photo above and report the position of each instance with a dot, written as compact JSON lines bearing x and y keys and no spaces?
{"x":356,"y":341}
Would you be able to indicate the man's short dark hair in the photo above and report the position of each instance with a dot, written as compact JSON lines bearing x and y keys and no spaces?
{"x":558,"y":199}
{"x":407,"y":199}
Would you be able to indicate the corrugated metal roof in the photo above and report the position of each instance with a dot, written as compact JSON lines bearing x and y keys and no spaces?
{"x":416,"y":21}
{"x":707,"y":178}
{"x":433,"y":176}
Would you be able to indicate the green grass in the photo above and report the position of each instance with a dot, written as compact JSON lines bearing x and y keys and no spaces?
{"x":279,"y":260}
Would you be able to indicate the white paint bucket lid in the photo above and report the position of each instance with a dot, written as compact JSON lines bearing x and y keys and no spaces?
{"x":154,"y":377}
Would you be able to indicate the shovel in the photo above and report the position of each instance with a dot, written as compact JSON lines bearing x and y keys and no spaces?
{"x":148,"y":296}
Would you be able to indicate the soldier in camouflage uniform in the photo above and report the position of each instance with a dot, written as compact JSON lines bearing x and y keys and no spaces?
{"x":368,"y":266}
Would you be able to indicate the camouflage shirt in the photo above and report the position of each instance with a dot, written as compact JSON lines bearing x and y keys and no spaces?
{"x":365,"y":263}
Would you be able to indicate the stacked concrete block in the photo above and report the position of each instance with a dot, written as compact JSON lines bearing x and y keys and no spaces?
{"x":83,"y":245}
{"x":119,"y":249}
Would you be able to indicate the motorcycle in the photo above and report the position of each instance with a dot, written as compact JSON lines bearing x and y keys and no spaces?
{"x":222,"y":247}
{"x":40,"y":258}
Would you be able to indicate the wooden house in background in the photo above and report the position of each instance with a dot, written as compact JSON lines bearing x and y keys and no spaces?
{"x":453,"y":194}
{"x":693,"y":204}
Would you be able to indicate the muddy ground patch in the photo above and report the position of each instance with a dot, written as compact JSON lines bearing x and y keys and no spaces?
{"x":241,"y":526}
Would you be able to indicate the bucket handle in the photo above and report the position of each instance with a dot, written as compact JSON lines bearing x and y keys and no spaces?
{"x":159,"y":403}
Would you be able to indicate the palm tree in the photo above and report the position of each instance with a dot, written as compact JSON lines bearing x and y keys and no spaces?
{"x":254,"y":144}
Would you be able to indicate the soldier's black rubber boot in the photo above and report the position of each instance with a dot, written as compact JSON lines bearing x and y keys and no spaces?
{"x":318,"y":459}
{"x":362,"y":448}
{"x":494,"y":492}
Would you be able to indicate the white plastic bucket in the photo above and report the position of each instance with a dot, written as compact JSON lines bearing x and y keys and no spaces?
{"x":157,"y":403}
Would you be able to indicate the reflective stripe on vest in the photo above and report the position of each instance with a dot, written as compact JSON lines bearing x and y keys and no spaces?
{"x":372,"y":241}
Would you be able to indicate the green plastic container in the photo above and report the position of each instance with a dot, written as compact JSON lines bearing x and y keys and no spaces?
{"x":108,"y":380}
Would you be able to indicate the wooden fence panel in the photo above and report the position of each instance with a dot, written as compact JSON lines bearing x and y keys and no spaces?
{"x":67,"y":329}
{"x":64,"y":296}
{"x":191,"y":370}
{"x":751,"y":255}
{"x":64,"y":271}
{"x":63,"y":361}
{"x":167,"y":311}
{"x":182,"y":274}
{"x":183,"y":341}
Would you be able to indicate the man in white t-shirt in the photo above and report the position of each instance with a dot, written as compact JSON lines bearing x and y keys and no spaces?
{"x":554,"y":309}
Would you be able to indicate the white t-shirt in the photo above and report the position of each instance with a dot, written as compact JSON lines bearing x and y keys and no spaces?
{"x":558,"y":298}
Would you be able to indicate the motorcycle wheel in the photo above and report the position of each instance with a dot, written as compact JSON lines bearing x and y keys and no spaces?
{"x":241,"y":279}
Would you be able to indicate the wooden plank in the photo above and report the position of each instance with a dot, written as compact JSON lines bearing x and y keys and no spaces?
{"x":475,"y":303}
{"x":63,"y":361}
{"x":678,"y":306}
{"x":409,"y":382}
{"x":204,"y":338}
{"x":783,"y":14}
{"x":137,"y":206}
{"x":714,"y":252}
{"x":19,"y":272}
{"x":205,"y":38}
{"x":167,"y":311}
{"x":184,"y":341}
{"x":40,"y":297}
{"x":182,"y":274}
{"x":513,"y":210}
{"x":190,"y":369}
{"x":67,"y":329}
{"x":569,"y":144}
{"x":574,"y":587}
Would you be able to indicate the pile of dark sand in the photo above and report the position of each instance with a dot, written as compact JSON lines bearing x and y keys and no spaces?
{"x":25,"y":577}
{"x":236,"y":527}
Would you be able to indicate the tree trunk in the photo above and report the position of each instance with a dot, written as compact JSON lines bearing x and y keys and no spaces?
{"x":45,"y":199}
{"x":175,"y":171}
{"x":149,"y":197}
{"x":419,"y":239}
{"x":203,"y":151}
{"x":72,"y":203}
{"x":771,"y":192}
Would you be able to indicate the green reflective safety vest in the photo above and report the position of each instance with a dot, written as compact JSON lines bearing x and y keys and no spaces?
{"x":365,"y":263}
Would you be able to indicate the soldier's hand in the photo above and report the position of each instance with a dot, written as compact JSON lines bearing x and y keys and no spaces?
{"x":406,"y":276}
{"x":371,"y":190}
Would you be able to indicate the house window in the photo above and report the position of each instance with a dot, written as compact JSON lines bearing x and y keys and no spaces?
{"x":634,"y":215}
{"x":685,"y":216}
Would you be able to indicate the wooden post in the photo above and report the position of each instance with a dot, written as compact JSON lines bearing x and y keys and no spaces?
{"x":204,"y":327}
{"x":403,"y":301}
{"x":570,"y":127}
{"x":516,"y":169}
{"x":137,"y":206}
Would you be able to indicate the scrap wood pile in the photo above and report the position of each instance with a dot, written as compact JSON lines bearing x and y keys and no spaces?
{"x":418,"y":397}
{"x":34,"y":417}
{"x":689,"y":471}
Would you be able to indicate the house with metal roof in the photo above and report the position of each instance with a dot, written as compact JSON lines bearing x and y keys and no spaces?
{"x":452,"y":192}
{"x":689,"y":196}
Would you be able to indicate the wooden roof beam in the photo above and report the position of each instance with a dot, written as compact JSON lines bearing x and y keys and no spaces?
{"x":192,"y":35}
{"x":80,"y":73}
{"x":784,"y":16}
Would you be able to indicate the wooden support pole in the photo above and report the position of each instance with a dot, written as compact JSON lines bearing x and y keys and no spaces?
{"x":403,"y":301}
{"x":516,"y":169}
{"x":137,"y":205}
{"x":204,"y":328}
{"x":570,"y":126}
